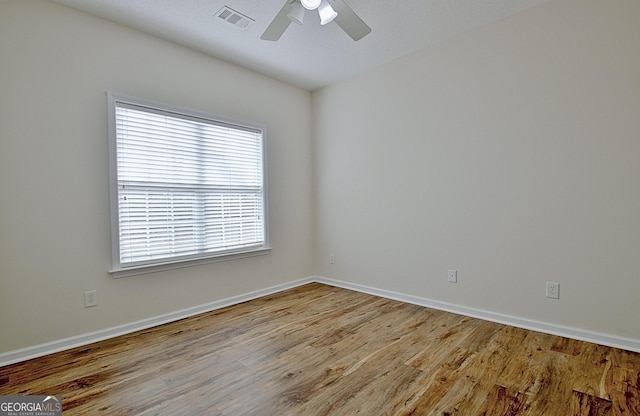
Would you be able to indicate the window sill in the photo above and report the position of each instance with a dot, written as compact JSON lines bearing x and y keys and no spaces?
{"x":159,"y":267}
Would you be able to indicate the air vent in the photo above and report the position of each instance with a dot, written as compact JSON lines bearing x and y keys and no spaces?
{"x":237,"y":19}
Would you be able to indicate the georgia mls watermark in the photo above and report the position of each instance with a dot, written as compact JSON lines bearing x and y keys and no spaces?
{"x":30,"y":406}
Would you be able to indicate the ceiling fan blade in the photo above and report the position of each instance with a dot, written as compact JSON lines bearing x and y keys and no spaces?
{"x":349,"y":21}
{"x":279,"y":24}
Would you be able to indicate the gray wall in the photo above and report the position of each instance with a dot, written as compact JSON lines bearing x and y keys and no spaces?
{"x":55,"y":243}
{"x":509,"y":154}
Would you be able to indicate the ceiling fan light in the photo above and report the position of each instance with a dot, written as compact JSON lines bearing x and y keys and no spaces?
{"x":296,"y":14}
{"x":310,"y":4}
{"x":326,"y":12}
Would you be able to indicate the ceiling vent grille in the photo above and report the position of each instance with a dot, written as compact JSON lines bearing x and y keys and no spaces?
{"x":237,"y":19}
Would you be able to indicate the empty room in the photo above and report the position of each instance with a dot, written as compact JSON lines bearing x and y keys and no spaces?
{"x":305,"y":207}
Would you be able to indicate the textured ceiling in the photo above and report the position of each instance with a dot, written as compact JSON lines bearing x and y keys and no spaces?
{"x":308,"y":56}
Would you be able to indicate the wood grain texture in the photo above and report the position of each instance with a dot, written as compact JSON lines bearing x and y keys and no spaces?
{"x":321,"y":350}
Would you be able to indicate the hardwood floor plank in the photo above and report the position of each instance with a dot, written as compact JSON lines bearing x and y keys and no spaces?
{"x":503,"y":401}
{"x":590,"y":368}
{"x":623,"y":382}
{"x":584,"y":404}
{"x":321,"y":350}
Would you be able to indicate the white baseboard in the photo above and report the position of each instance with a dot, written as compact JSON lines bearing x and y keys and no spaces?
{"x":547,"y":328}
{"x":39,"y":350}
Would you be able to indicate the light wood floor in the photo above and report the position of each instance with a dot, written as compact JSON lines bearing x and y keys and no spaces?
{"x":320,"y":350}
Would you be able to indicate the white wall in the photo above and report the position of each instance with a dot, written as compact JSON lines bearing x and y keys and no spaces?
{"x":510,"y":154}
{"x":55,"y":66}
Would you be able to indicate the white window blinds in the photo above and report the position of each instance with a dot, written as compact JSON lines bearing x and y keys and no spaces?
{"x":188,"y":186}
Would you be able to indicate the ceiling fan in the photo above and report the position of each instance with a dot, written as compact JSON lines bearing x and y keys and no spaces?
{"x":329,"y":10}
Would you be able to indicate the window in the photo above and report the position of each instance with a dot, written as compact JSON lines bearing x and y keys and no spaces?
{"x":186,"y":187}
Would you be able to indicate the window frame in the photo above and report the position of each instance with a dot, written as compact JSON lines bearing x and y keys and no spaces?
{"x":123,"y":270}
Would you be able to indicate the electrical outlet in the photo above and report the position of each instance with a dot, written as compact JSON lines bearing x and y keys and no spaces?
{"x":553,"y":290}
{"x":332,"y":258}
{"x":452,"y":276}
{"x":90,"y":298}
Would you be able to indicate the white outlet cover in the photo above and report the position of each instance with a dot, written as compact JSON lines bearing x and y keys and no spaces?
{"x":452,"y":276}
{"x":553,"y":290}
{"x":90,"y":298}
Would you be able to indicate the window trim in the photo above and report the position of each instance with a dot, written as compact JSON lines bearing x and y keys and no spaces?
{"x":118,"y":270}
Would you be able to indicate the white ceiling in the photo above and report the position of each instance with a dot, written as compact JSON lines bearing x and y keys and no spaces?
{"x":308,"y":56}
